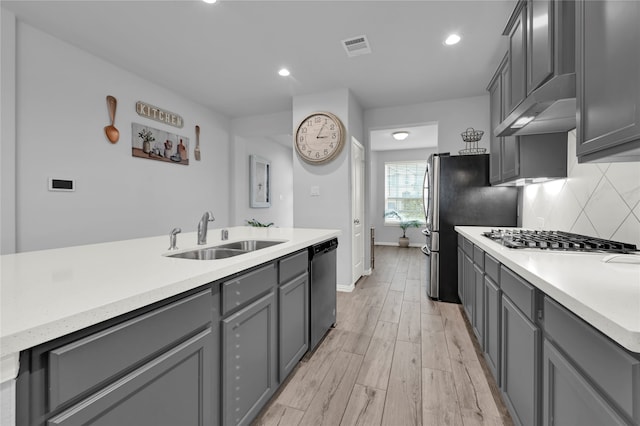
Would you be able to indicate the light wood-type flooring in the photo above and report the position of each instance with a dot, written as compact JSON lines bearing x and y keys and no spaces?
{"x":395,"y":358}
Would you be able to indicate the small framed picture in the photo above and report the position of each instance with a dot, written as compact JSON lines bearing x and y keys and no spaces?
{"x":260,"y":182}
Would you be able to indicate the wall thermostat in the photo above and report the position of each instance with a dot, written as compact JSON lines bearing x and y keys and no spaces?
{"x":66,"y":185}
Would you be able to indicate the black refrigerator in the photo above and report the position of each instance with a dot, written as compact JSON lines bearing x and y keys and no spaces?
{"x":457,"y":192}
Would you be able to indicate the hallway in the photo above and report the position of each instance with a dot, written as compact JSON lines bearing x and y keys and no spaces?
{"x":395,"y":358}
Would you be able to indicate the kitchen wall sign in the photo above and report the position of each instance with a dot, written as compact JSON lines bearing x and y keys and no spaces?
{"x":260,"y":182}
{"x":154,"y":144}
{"x":153,"y":112}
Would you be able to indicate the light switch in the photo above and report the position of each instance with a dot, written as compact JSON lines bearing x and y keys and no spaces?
{"x":315,"y":191}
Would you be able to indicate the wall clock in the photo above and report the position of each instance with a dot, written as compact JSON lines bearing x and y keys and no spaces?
{"x":319,"y":138}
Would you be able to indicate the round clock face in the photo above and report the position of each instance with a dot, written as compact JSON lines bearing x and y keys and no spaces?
{"x":319,"y":138}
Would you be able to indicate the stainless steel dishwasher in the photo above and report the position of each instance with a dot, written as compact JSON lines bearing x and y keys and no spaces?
{"x":322,"y":303}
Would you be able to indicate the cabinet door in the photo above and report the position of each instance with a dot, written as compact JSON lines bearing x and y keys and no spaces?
{"x":173,"y":389}
{"x":469,"y":287}
{"x":569,"y":399}
{"x":510,"y":161}
{"x":495,"y":117}
{"x":517,"y":61}
{"x":540,"y":42}
{"x":248,"y":360}
{"x":607,"y":75}
{"x":492,"y":327}
{"x":293,"y":335}
{"x":461,"y":274}
{"x":520,"y":348}
{"x":478,"y":308}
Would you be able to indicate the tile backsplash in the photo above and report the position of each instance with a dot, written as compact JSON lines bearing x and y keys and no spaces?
{"x":597,"y":199}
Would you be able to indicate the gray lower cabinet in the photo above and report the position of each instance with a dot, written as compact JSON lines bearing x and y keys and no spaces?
{"x":608,"y":97}
{"x":170,"y":390}
{"x":249,"y":360}
{"x":461,"y":274}
{"x":492,"y":296}
{"x":469,"y":287}
{"x":478,"y":306}
{"x":568,"y":398}
{"x":519,"y":371}
{"x":293,"y":328}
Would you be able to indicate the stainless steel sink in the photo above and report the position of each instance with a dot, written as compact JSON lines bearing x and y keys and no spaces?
{"x":249,"y":245}
{"x":224,"y":251}
{"x":208,"y":253}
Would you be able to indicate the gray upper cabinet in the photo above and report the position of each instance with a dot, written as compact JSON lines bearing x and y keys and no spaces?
{"x":539,"y":42}
{"x":517,"y":32}
{"x":608,"y":80}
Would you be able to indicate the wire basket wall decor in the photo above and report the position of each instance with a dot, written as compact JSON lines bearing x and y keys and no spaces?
{"x":471,"y":137}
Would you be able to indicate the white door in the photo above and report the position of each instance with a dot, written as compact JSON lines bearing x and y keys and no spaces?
{"x":357,"y":210}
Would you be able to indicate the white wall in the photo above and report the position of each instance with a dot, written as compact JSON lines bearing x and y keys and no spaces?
{"x":332,"y":208}
{"x":280,"y":213}
{"x":7,"y":133}
{"x":453,"y":117}
{"x":60,"y":115}
{"x":389,"y":234}
{"x":597,"y":199}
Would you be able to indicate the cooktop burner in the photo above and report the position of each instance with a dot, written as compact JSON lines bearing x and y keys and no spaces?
{"x":556,"y":240}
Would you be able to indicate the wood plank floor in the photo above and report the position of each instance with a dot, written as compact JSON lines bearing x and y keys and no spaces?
{"x":395,"y":358}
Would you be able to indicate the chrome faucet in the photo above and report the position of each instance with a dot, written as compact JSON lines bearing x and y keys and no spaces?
{"x":173,"y":237}
{"x":203,"y":226}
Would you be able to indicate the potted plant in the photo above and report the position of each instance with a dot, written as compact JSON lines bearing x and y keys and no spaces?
{"x":403,"y":241}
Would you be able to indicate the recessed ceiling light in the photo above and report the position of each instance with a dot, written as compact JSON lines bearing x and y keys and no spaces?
{"x":210,"y":1}
{"x":284,"y":72}
{"x":452,"y":39}
{"x":400,"y":136}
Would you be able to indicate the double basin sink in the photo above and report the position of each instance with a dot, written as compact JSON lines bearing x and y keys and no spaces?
{"x":224,"y":251}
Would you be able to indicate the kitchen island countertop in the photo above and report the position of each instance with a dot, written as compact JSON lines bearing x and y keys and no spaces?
{"x":50,"y":293}
{"x":603,"y":293}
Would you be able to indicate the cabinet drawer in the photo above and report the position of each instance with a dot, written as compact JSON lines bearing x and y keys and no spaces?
{"x":242,"y":289}
{"x":613,"y":369}
{"x":467,"y":246}
{"x":460,"y":240}
{"x":293,"y":266}
{"x":78,"y":366}
{"x":478,"y":257}
{"x":521,"y":293}
{"x":492,"y":268}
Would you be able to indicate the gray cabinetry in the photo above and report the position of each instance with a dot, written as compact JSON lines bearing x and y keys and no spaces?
{"x":172,"y":389}
{"x":461,"y":263}
{"x":520,"y":157}
{"x":153,"y":359}
{"x":469,"y":287}
{"x":519,"y":371}
{"x":568,"y":398}
{"x":293,"y":312}
{"x":608,"y":80}
{"x":517,"y":32}
{"x":539,"y":42}
{"x":248,"y":360}
{"x":492,"y":297}
{"x":478,"y":303}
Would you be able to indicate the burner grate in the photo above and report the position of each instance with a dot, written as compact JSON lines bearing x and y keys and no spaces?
{"x":556,"y":240}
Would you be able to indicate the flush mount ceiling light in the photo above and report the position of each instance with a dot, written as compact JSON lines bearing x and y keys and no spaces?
{"x":283,"y":72}
{"x":401,"y":135}
{"x":210,"y":1}
{"x":452,"y":39}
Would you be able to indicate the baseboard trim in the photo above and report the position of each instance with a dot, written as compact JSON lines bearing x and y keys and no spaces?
{"x":345,"y":288}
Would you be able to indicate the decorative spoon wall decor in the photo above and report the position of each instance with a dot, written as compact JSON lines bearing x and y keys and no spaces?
{"x":112,"y":133}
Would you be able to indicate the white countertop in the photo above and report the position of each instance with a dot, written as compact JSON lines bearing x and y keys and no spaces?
{"x":50,"y":293}
{"x":604,"y":294}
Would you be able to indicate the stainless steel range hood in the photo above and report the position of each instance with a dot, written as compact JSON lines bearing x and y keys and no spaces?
{"x":551,"y":108}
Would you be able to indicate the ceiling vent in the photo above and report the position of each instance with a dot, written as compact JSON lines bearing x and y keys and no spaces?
{"x":356,"y":46}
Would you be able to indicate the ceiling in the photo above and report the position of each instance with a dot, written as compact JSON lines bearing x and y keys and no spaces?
{"x":226,"y":56}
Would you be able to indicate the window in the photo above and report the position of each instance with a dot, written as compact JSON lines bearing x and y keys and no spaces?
{"x":403,"y":190}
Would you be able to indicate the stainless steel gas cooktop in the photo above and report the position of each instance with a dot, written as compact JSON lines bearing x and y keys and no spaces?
{"x":556,"y":240}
